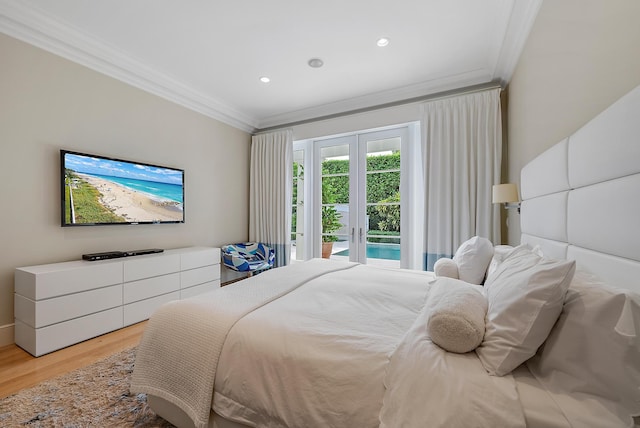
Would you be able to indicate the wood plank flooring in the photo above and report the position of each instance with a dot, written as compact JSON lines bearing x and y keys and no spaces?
{"x":18,"y":369}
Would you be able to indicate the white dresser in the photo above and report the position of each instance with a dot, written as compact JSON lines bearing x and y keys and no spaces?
{"x":60,"y":304}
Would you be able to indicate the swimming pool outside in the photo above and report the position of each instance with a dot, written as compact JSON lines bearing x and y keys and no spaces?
{"x":378,"y":251}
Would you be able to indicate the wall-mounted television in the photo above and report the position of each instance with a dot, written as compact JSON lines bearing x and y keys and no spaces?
{"x":98,"y":190}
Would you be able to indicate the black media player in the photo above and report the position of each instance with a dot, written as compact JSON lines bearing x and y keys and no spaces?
{"x":103,"y":256}
{"x":116,"y":254}
{"x":143,"y":252}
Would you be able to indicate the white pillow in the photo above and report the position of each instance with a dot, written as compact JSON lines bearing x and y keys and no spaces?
{"x":456,"y":315}
{"x":500,"y":252}
{"x":592,"y":354}
{"x":525,"y":296}
{"x":446,"y":267}
{"x":472,"y":258}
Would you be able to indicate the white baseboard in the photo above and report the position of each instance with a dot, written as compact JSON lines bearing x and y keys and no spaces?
{"x":6,"y":335}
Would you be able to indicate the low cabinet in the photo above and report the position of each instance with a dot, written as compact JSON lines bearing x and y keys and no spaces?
{"x":60,"y":304}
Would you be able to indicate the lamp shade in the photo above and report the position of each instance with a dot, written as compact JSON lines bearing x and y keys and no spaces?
{"x":503,"y":193}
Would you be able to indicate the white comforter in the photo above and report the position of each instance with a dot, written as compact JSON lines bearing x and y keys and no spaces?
{"x":330,"y":352}
{"x":428,"y":386}
{"x":178,"y":355}
{"x":316,"y":356}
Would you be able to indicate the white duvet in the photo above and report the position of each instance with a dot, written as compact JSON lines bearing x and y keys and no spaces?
{"x":349,"y":349}
{"x":429,"y":387}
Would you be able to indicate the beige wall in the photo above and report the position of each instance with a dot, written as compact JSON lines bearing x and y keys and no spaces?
{"x":48,"y":103}
{"x":581,"y":56}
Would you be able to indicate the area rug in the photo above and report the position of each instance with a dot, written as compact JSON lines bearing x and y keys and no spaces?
{"x":94,"y":396}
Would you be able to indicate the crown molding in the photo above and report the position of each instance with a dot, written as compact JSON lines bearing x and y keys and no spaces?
{"x":37,"y":28}
{"x":458,"y":91}
{"x":380,"y":99}
{"x":523,"y":16}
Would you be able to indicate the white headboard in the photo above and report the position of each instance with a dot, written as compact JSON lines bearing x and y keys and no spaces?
{"x":581,"y":197}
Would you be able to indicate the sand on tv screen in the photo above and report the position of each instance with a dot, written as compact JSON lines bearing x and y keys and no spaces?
{"x":98,"y":190}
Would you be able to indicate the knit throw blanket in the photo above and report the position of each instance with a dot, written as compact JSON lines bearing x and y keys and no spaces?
{"x":179,"y":351}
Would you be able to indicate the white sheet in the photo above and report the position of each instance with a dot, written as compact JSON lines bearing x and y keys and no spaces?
{"x":427,"y":386}
{"x":540,"y":411}
{"x":289,"y":364}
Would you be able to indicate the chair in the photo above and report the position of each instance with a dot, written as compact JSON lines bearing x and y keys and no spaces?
{"x":250,"y":257}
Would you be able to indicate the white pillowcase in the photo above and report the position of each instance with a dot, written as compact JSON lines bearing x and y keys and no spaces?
{"x":446,"y":267}
{"x":456,"y":314}
{"x":500,"y":252}
{"x":525,"y":296}
{"x":473,"y":258}
{"x":592,"y":354}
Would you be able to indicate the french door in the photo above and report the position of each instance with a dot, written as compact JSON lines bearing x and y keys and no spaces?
{"x":357,"y":187}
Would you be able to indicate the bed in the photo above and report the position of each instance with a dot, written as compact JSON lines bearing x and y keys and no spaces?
{"x":326,"y":343}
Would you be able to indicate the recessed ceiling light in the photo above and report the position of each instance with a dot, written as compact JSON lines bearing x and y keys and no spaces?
{"x":265,"y":79}
{"x":382,"y":42}
{"x":315,"y":63}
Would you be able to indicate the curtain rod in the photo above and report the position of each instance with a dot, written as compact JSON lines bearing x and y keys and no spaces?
{"x":430,"y":97}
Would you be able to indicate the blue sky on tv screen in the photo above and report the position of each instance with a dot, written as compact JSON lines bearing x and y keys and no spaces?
{"x":114,"y":168}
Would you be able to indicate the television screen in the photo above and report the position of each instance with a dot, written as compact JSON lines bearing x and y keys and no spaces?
{"x":97,"y":190}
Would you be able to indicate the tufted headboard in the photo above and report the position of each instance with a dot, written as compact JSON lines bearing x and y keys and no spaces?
{"x":581,"y":197}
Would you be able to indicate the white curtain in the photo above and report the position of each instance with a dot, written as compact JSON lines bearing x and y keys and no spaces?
{"x":270,"y":192}
{"x":462,"y":153}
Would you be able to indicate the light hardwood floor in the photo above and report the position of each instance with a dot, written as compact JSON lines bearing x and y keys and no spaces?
{"x":19,"y":370}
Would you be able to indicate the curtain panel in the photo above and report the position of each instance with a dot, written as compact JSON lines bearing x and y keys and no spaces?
{"x":462,"y":154}
{"x":270,"y":192}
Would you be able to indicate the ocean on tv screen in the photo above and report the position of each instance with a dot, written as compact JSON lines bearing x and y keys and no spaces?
{"x":107,"y":191}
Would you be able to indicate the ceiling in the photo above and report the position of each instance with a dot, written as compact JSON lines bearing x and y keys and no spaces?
{"x":210,"y":55}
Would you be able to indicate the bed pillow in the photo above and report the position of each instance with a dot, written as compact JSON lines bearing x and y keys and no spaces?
{"x":525,"y":296}
{"x":446,"y":267}
{"x":500,"y":252}
{"x":456,"y":315}
{"x":592,"y":354}
{"x":473,"y":258}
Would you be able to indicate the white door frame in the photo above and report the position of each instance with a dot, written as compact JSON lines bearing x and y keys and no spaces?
{"x":357,"y":144}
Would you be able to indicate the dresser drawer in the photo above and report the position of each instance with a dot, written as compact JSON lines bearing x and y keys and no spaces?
{"x":142,"y":310}
{"x":150,"y":287}
{"x":46,"y":281}
{"x":140,"y":267}
{"x":198,"y":257}
{"x":40,"y":341}
{"x":185,"y":293}
{"x":51,"y":311}
{"x":192,"y":277}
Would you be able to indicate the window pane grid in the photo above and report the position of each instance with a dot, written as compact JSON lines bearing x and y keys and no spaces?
{"x":383,"y":171}
{"x":335,"y":175}
{"x":374,"y":204}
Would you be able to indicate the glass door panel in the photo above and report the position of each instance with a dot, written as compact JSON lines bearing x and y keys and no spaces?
{"x":382,"y":216}
{"x":297,"y":208}
{"x":335,"y":187}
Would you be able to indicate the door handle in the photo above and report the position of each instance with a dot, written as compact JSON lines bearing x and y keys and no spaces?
{"x":360,"y":235}
{"x":353,"y":233}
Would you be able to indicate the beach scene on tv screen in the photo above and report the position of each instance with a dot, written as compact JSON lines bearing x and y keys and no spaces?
{"x":104,"y":191}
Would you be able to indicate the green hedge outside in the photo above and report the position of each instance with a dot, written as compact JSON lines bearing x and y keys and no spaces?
{"x":381,"y":187}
